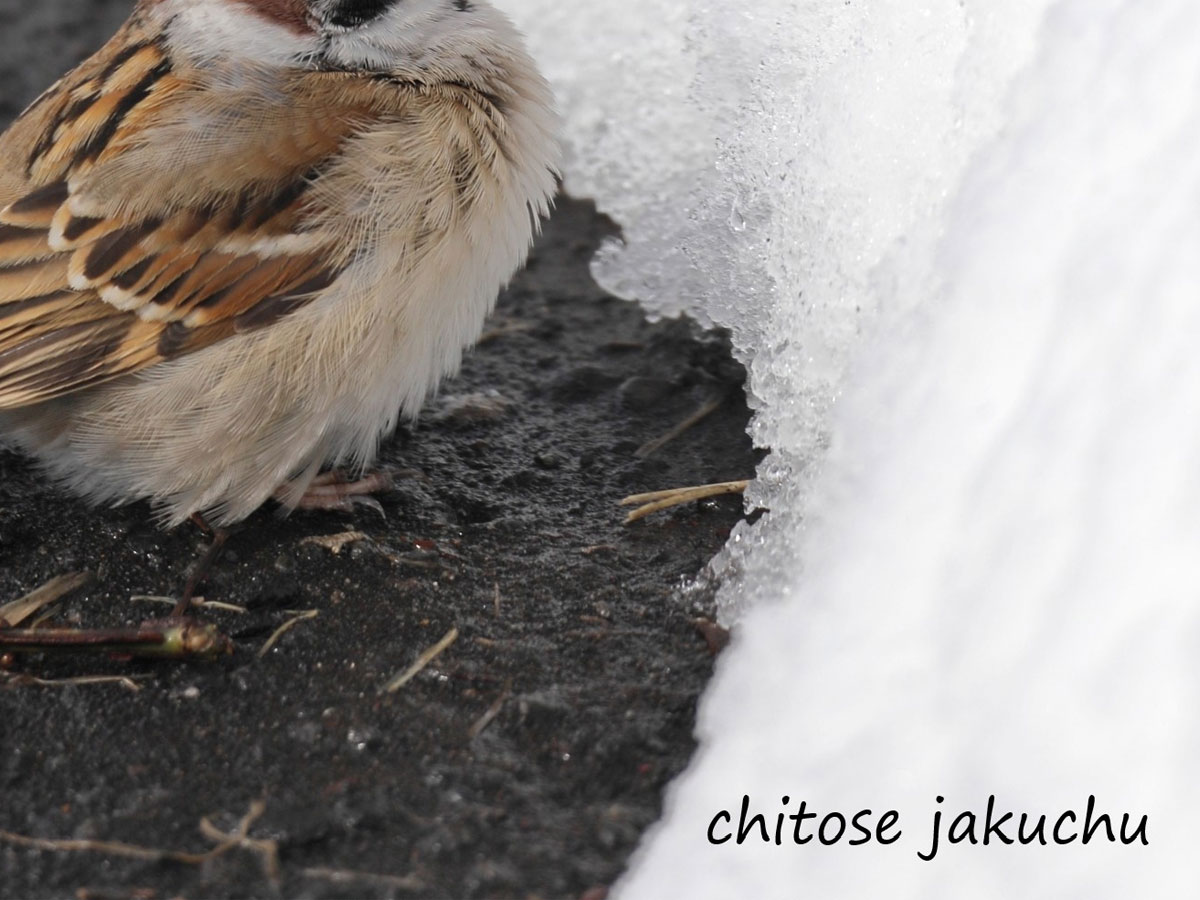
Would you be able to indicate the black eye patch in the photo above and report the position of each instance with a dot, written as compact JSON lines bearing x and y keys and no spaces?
{"x":352,"y":13}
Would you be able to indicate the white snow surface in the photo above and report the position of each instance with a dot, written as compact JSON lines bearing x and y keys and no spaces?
{"x":957,"y":243}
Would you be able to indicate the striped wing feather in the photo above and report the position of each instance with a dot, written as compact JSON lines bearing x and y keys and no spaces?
{"x":94,"y":286}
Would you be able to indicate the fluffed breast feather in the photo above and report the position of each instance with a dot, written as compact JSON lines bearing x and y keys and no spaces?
{"x":109,"y":263}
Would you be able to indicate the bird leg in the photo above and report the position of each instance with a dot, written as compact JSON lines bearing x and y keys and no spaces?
{"x":206,"y":561}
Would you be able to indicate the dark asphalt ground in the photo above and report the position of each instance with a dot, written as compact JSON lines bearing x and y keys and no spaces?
{"x":575,"y":654}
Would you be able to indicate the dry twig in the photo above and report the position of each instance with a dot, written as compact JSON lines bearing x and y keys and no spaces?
{"x":267,"y":849}
{"x":239,"y":837}
{"x":298,"y":617}
{"x":658,"y":500}
{"x":175,"y":638}
{"x":423,"y":660}
{"x":125,"y":681}
{"x":17,"y":611}
{"x":335,"y":543}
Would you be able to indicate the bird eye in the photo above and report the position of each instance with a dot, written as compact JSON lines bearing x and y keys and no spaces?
{"x":352,"y":13}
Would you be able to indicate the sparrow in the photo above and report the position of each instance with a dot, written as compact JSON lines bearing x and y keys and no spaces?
{"x":246,"y":237}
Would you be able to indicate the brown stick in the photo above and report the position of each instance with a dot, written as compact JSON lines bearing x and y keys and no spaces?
{"x":165,"y":638}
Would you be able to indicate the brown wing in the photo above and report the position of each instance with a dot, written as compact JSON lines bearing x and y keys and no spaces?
{"x":150,"y":222}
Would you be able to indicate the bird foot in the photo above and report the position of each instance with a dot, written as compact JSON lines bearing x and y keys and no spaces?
{"x":331,"y":490}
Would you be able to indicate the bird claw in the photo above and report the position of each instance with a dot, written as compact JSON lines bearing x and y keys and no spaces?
{"x":369,"y":502}
{"x":330,"y":491}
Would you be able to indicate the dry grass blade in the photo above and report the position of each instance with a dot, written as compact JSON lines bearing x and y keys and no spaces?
{"x":651,"y":447}
{"x":423,"y":660}
{"x":128,"y":893}
{"x":16,"y":612}
{"x":501,"y":330}
{"x":654,"y":501}
{"x":348,"y":876}
{"x":126,"y":681}
{"x":489,"y":716}
{"x":300,"y":616}
{"x":135,"y":851}
{"x":109,"y":848}
{"x":197,"y":603}
{"x":267,"y":849}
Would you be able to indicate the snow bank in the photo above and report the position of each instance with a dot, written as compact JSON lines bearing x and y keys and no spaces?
{"x":958,"y":245}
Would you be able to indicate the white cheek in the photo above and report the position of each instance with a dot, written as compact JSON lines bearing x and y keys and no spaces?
{"x":354,"y":50}
{"x":404,"y":32}
{"x":206,"y":30}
